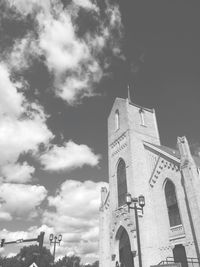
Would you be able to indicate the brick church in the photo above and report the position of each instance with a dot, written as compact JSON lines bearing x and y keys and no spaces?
{"x":168,"y":229}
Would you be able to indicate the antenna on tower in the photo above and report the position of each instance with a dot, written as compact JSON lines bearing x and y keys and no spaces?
{"x":129,"y":95}
{"x":128,"y":69}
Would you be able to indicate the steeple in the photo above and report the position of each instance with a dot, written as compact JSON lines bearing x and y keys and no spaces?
{"x":129,"y":95}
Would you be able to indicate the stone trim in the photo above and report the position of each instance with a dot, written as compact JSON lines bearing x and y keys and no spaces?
{"x":162,"y":165}
{"x":119,"y":144}
{"x":121,"y":217}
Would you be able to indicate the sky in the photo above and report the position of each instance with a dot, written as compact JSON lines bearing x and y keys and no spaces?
{"x":62,"y":64}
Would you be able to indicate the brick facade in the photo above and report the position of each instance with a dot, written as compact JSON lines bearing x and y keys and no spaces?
{"x":149,"y":165}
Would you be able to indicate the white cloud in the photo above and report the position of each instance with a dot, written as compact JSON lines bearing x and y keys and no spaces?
{"x":17,"y":173}
{"x":19,"y":136}
{"x":22,"y":128}
{"x":11,"y":101}
{"x":26,"y":7}
{"x":66,"y":50}
{"x":19,"y":200}
{"x":67,"y":57}
{"x":35,"y":231}
{"x":76,"y":212}
{"x":20,"y":57}
{"x":32,"y":233}
{"x":13,"y":235}
{"x":5,"y":216}
{"x":69,"y":156}
{"x":70,"y":88}
{"x":86,"y":4}
{"x":77,"y":63}
{"x":76,"y":216}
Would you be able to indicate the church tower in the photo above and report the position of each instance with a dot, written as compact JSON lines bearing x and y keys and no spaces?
{"x":140,"y":165}
{"x":129,"y":126}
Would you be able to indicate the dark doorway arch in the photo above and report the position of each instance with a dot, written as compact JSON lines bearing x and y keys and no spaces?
{"x":125,"y":254}
{"x":180,"y":255}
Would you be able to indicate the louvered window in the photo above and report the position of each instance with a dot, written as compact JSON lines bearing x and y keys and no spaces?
{"x":121,"y":182}
{"x":141,"y":111}
{"x":116,"y":120}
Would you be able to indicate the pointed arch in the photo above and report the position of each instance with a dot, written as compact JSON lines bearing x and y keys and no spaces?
{"x":172,"y":204}
{"x":124,"y":247}
{"x":141,"y":111}
{"x":121,"y":182}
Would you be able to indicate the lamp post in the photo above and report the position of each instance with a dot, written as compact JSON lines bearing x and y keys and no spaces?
{"x":141,"y":201}
{"x":54,"y":240}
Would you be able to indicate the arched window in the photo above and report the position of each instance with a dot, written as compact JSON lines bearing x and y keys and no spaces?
{"x":116,"y":120}
{"x":142,"y":121}
{"x":172,"y":205}
{"x":121,"y":182}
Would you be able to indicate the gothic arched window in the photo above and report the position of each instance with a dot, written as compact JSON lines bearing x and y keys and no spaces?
{"x":141,"y":111}
{"x":121,"y":182}
{"x":116,"y":120}
{"x":172,"y":205}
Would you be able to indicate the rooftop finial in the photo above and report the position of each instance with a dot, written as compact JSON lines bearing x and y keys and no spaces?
{"x":129,"y":95}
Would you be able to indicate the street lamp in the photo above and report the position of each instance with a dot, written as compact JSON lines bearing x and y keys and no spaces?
{"x":141,"y":201}
{"x":54,"y":240}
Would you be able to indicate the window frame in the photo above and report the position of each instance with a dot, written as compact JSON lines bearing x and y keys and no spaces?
{"x":117,"y":120}
{"x":121,"y":182}
{"x":142,"y":119}
{"x":173,"y":210}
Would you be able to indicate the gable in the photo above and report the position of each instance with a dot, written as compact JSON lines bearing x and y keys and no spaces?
{"x":162,"y":165}
{"x":161,"y":158}
{"x":152,"y":159}
{"x":163,"y":151}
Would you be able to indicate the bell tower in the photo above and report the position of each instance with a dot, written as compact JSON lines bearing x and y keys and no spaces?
{"x":129,"y":127}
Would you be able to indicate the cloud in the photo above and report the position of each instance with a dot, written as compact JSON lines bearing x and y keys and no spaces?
{"x":5,"y":216}
{"x":26,"y":7}
{"x":17,"y":173}
{"x":76,"y":206}
{"x":22,"y":128}
{"x":13,"y":235}
{"x":76,"y":61}
{"x":87,"y":4}
{"x":69,"y":57}
{"x":20,"y":200}
{"x":66,"y":50}
{"x":76,"y":213}
{"x":11,"y":101}
{"x":69,"y":156}
{"x":19,"y":136}
{"x":19,"y":57}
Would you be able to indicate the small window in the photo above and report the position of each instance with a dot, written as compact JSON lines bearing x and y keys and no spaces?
{"x":142,"y":121}
{"x":116,"y":120}
{"x":172,"y":205}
